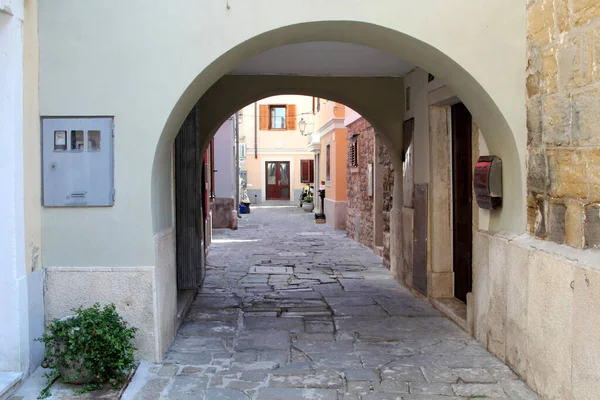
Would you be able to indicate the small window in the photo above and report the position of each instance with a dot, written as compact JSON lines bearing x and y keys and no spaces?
{"x":278,"y":116}
{"x":77,"y":142}
{"x":93,"y":140}
{"x":242,"y":150}
{"x":307,"y":171}
{"x":60,"y":140}
{"x":353,"y":154}
{"x":328,"y":163}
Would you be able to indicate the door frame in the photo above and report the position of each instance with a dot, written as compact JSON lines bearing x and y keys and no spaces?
{"x":263,"y":174}
{"x":440,"y":249}
{"x":278,"y":171}
{"x":468,"y":272}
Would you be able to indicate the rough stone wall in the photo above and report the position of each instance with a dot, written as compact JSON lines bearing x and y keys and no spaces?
{"x":563,"y":121}
{"x":385,"y":162}
{"x":360,"y":204}
{"x":222,"y":212}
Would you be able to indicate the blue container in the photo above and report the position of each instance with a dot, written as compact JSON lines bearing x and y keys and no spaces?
{"x":243,"y":209}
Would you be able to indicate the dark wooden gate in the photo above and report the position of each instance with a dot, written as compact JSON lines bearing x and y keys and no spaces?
{"x":421,"y":204}
{"x":462,"y":198}
{"x":188,"y":204}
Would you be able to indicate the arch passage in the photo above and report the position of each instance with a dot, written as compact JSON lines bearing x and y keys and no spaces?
{"x":211,"y":82}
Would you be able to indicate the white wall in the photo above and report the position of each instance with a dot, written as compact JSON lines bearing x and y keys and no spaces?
{"x":224,"y":160}
{"x":21,"y":314}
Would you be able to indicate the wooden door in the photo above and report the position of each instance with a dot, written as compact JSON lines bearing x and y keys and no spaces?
{"x":462,"y":211}
{"x":277,"y":180}
{"x":189,"y":210}
{"x":421,"y":212}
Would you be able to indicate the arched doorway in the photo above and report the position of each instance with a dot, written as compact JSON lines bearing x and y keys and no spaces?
{"x":152,"y":92}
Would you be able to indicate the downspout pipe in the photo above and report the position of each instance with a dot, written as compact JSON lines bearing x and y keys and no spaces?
{"x":236,"y":156}
{"x":255,"y":130}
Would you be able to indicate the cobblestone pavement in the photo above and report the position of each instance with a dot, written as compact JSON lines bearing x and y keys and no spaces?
{"x":293,"y":310}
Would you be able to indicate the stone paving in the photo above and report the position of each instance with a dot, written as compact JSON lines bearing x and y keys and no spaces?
{"x":293,"y":310}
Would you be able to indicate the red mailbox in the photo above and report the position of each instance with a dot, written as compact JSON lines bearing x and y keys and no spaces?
{"x":488,"y":182}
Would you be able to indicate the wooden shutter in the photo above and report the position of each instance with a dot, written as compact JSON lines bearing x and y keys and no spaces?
{"x":305,"y":171}
{"x":263,"y":124}
{"x":290,"y":113}
{"x":328,"y":163}
{"x":311,"y":170}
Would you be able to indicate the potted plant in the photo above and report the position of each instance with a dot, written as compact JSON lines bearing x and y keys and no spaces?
{"x":92,"y":347}
{"x":307,"y":203}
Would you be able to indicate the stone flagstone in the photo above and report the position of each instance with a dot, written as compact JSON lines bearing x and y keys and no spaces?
{"x":315,"y":316}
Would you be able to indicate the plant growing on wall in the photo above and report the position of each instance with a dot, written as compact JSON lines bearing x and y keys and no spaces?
{"x":92,"y":347}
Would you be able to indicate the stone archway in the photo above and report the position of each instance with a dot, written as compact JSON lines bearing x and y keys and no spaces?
{"x":499,"y":134}
{"x":380,"y":100}
{"x":149,"y":78}
{"x":222,"y":95}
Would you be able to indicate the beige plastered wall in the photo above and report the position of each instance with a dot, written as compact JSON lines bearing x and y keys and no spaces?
{"x":32,"y":186}
{"x":149,"y":93}
{"x":31,"y":138}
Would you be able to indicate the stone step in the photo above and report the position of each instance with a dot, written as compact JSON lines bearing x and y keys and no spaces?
{"x":9,"y":381}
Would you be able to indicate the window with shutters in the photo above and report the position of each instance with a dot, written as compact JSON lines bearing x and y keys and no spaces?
{"x":277,"y":117}
{"x":307,"y":171}
{"x":353,"y":154}
{"x":328,"y":163}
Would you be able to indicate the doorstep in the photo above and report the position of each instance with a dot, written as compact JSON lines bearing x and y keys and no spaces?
{"x":454,"y":309}
{"x":184,"y":301}
{"x":9,"y":381}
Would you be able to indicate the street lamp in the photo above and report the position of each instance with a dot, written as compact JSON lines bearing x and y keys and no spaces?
{"x":302,"y":126}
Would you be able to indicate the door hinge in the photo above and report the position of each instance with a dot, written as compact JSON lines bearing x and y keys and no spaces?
{"x":114,"y":195}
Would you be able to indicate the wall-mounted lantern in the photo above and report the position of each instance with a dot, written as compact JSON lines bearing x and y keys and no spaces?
{"x":488,"y":182}
{"x":302,"y":124}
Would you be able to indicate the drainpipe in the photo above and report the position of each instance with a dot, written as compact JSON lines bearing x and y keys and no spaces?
{"x":236,"y":156}
{"x":256,"y":130}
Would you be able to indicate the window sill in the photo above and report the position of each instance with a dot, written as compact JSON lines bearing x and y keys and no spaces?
{"x":353,"y":170}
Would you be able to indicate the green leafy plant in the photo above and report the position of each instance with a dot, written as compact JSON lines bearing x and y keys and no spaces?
{"x":92,"y":347}
{"x":308,"y":199}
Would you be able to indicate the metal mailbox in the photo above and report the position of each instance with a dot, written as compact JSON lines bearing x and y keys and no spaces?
{"x":77,"y":161}
{"x":487,"y":180}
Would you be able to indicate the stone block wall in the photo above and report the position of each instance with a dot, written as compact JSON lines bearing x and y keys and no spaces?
{"x":563,"y":121}
{"x":360,"y":204}
{"x":222,"y":212}
{"x":385,"y":161}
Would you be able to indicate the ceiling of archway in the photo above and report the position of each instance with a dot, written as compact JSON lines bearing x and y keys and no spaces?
{"x":324,"y":59}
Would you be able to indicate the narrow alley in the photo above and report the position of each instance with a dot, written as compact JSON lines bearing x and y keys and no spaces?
{"x":292,"y":310}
